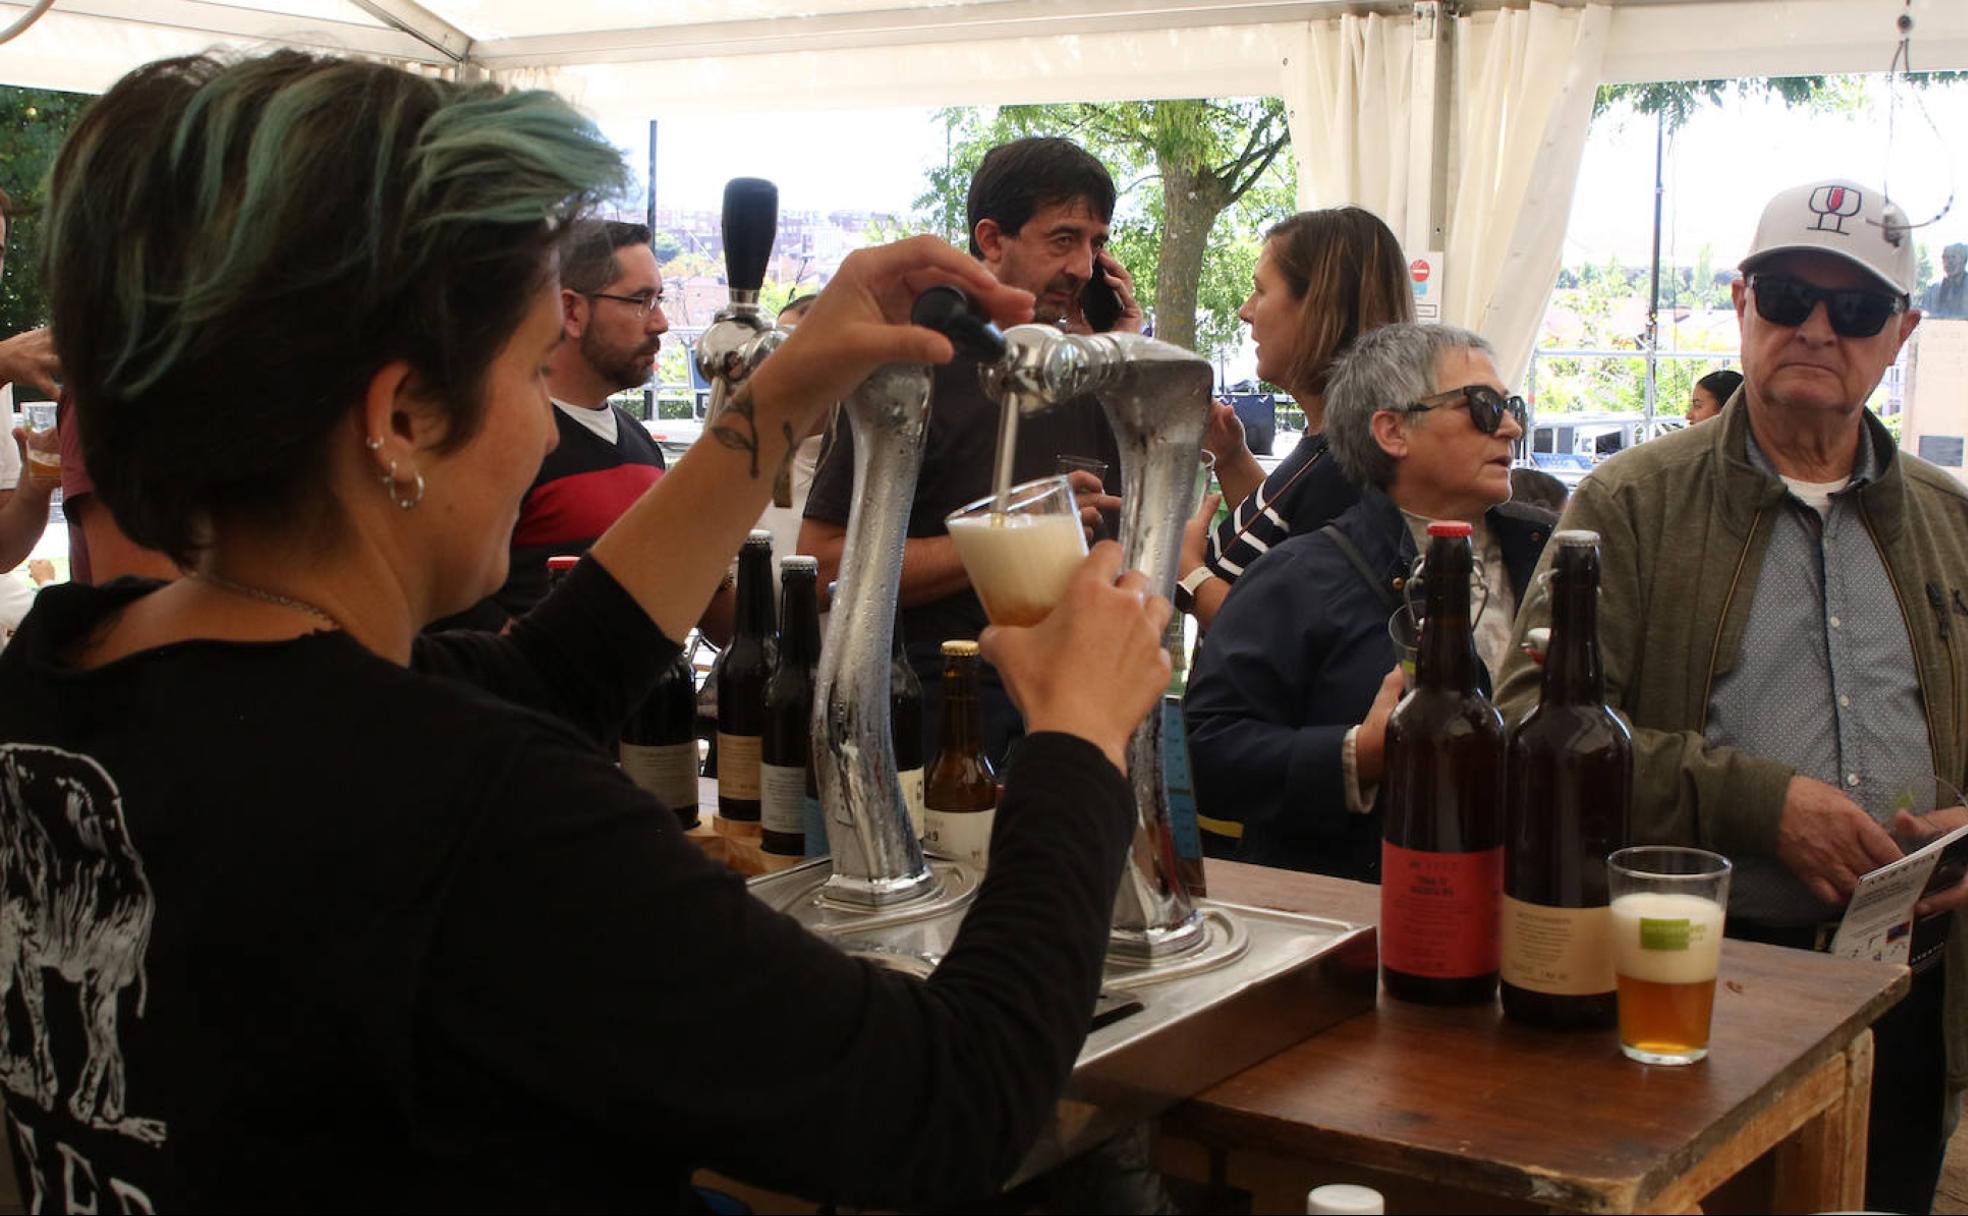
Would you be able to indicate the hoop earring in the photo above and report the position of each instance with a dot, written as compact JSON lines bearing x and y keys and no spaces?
{"x":390,"y":483}
{"x":373,"y":443}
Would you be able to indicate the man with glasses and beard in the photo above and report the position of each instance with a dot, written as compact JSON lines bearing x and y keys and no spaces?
{"x":612,"y":325}
{"x":1784,"y":621}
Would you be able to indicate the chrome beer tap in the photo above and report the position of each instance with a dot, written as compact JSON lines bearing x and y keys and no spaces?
{"x":740,"y":336}
{"x":877,"y":859}
{"x":1157,"y":399}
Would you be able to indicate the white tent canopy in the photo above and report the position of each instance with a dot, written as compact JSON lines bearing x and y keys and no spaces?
{"x":675,"y":55}
{"x":1461,"y":123}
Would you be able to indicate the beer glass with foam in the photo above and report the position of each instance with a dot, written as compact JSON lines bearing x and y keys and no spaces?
{"x":1020,"y":559}
{"x":1667,"y":911}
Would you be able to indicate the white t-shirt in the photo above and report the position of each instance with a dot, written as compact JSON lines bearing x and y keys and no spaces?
{"x":1816,"y":494}
{"x":601,"y":421}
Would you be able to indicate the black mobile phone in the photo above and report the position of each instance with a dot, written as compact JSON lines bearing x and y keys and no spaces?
{"x":1100,"y":304}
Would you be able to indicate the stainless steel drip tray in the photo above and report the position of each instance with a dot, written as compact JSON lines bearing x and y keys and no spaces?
{"x":1263,"y":981}
{"x":1295,"y":976}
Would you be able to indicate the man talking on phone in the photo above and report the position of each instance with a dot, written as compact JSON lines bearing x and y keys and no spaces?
{"x":1038,"y":211}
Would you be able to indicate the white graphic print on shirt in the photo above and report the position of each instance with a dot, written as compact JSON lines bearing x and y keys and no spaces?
{"x":73,"y":900}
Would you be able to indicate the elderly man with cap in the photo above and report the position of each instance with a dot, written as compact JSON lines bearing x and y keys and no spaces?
{"x":1784,"y":623}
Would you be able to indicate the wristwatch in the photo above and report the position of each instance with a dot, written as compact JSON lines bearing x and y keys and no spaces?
{"x":1196,"y":578}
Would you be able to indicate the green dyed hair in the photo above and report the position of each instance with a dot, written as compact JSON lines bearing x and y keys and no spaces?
{"x":235,"y":247}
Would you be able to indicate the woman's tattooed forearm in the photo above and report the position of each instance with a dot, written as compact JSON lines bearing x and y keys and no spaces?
{"x":737,"y":426}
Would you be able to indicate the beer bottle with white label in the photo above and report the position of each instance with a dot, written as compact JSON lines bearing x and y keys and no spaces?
{"x":960,"y":792}
{"x":1569,"y":790}
{"x":905,"y":723}
{"x":1442,"y":848}
{"x":785,"y":756}
{"x":659,"y":741}
{"x":741,"y":675}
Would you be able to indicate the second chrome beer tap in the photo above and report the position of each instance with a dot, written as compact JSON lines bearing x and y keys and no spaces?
{"x":740,"y":337}
{"x":1157,"y":400}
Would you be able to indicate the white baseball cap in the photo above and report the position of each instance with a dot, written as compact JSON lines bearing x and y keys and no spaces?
{"x":1842,"y":218}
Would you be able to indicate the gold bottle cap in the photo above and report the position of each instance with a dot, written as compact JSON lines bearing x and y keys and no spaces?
{"x":959,"y":650}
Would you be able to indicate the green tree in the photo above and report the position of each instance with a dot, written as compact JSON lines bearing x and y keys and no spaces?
{"x":33,"y":123}
{"x":1209,"y":156}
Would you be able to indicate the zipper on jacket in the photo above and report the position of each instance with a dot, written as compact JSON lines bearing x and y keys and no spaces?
{"x":1934,"y":751}
{"x":1939,"y":604}
{"x":1722,"y":620}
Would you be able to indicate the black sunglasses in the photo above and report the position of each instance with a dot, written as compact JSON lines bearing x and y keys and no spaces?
{"x":1486,"y":406}
{"x":1853,"y":312}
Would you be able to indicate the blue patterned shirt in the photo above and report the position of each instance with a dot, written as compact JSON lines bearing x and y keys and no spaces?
{"x":1825,"y":682}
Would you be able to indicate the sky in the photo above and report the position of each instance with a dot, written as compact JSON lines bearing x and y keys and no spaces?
{"x":1722,"y":166}
{"x":845,"y":160}
{"x":1719,"y":168}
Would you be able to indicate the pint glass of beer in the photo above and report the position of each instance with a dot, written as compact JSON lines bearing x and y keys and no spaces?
{"x":1020,"y":559}
{"x":1667,"y":906}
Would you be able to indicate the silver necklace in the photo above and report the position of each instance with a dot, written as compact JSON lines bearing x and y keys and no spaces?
{"x":268,"y":597}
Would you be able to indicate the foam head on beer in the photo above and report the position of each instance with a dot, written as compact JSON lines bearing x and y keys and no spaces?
{"x":1020,"y":560}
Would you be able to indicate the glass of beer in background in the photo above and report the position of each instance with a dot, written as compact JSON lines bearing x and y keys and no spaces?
{"x":1667,"y":909}
{"x":43,"y":450}
{"x":1020,"y":560}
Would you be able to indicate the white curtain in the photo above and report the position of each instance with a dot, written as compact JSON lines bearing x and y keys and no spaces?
{"x":1346,"y":88}
{"x":1524,"y":84}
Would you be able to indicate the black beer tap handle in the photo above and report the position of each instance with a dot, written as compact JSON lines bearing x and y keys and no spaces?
{"x":751,"y":220}
{"x":948,"y":311}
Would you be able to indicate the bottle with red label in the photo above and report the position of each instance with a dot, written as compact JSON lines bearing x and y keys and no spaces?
{"x":1570,"y":785}
{"x":1442,"y":848}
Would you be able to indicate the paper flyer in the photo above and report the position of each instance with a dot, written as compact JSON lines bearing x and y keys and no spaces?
{"x":1878,"y":924}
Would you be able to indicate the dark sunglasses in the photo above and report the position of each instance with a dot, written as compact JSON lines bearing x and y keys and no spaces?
{"x":1853,"y":312}
{"x":1486,"y":406}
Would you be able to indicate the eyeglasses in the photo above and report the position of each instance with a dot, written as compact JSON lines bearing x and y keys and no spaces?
{"x":643,"y":305}
{"x":1853,"y":312}
{"x":1486,"y":406}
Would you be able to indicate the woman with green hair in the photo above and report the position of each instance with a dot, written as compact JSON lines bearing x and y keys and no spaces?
{"x":304,"y":910}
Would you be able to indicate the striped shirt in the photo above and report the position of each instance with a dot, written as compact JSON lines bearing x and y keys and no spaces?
{"x":1303,"y":494}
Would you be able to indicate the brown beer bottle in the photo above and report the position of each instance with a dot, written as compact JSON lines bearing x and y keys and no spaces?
{"x":742,"y":671}
{"x":905,"y":725}
{"x":658,"y":749}
{"x":960,"y":795}
{"x":1442,"y":847}
{"x":1570,"y":785}
{"x":785,"y":759}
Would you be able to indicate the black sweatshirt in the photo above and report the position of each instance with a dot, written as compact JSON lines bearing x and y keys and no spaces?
{"x":284,"y":925}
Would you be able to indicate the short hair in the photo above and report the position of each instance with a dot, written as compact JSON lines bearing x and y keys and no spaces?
{"x":1721,"y":385}
{"x":1956,"y":247}
{"x":1347,"y":272}
{"x":236,"y":246}
{"x":1014,"y":180}
{"x":1538,"y":488}
{"x":1387,"y":369}
{"x":588,"y":262}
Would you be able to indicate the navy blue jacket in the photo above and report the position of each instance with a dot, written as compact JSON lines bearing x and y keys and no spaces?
{"x":1291,"y":664}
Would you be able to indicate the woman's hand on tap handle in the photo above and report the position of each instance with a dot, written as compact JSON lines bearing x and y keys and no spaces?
{"x":1094,"y":666}
{"x":861,"y":321}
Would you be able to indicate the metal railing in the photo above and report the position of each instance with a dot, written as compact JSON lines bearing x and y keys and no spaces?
{"x":1648,"y":377}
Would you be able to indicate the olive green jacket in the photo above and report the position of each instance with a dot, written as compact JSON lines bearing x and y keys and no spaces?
{"x":1684,"y":522}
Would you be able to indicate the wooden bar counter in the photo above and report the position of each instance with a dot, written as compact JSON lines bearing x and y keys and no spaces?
{"x":1458,"y":1109}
